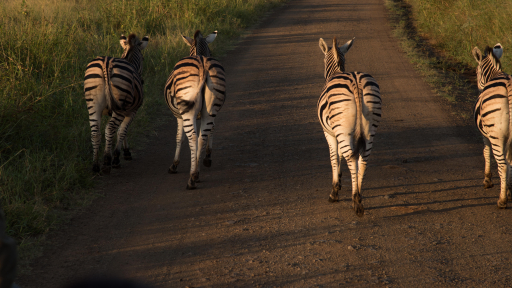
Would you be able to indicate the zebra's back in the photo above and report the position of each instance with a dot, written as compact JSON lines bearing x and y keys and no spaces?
{"x":347,"y":96}
{"x":492,"y":108}
{"x":118,"y":79}
{"x":191,"y":76}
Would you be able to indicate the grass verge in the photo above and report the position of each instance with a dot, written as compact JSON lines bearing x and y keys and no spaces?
{"x":450,"y":78}
{"x":455,"y":27}
{"x":45,"y":149}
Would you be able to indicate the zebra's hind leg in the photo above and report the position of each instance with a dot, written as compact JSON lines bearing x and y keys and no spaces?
{"x":121,"y":136}
{"x":111,"y":129}
{"x":96,"y":104}
{"x":95,"y":123}
{"x":502,"y":201}
{"x":503,"y":168}
{"x":336,"y":171}
{"x":207,"y":124}
{"x":207,"y":162}
{"x":173,"y":169}
{"x":126,"y":149}
{"x":190,"y":128}
{"x":509,"y":183}
{"x":487,"y":158}
{"x":352,"y":162}
{"x":94,"y":90}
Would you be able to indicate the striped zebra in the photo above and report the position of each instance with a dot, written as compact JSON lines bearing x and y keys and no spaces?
{"x":114,"y":86}
{"x":195,"y":90}
{"x":349,"y":110}
{"x":198,"y":47}
{"x":493,"y":117}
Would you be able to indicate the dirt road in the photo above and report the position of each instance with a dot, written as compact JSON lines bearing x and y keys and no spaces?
{"x":260,"y":216}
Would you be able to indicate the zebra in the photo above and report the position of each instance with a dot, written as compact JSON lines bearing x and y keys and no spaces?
{"x":198,"y":47}
{"x":493,"y":117}
{"x":349,"y":110}
{"x":195,"y":89}
{"x":199,"y":44}
{"x":114,"y":86}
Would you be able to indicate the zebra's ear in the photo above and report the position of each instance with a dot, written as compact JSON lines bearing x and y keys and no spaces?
{"x":477,"y":54}
{"x":335,"y":50}
{"x":211,"y":37}
{"x":144,"y":42}
{"x":344,"y":49}
{"x":497,"y":50}
{"x":188,"y":40}
{"x":323,"y":46}
{"x":123,"y":42}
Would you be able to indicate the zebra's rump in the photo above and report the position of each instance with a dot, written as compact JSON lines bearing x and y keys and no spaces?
{"x":216,"y":84}
{"x":119,"y":81}
{"x":338,"y":104}
{"x":192,"y":77}
{"x":493,"y":106}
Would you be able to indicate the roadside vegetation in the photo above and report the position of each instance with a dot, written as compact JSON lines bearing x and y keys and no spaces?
{"x":438,"y":37}
{"x":45,"y":149}
{"x":458,"y":26}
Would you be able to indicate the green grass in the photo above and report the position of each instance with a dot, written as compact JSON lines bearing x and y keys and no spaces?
{"x":45,"y":149}
{"x":456,"y":26}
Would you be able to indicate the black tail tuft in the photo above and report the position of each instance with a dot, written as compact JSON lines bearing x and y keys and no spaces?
{"x":185,"y":106}
{"x":361,"y":144}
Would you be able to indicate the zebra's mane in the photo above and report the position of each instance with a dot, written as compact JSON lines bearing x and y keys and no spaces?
{"x":132,"y":40}
{"x":198,"y":32}
{"x":488,"y":52}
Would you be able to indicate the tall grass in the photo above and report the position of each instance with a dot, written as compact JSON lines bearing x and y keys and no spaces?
{"x":45,"y":150}
{"x":456,"y":26}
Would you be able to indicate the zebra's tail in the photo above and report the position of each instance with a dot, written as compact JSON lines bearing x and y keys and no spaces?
{"x":359,"y":142}
{"x":112,"y":102}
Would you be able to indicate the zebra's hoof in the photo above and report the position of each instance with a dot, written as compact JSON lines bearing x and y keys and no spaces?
{"x":127,"y":155}
{"x":195,"y":177}
{"x":207,"y":162}
{"x":173,"y":169}
{"x":116,"y":163}
{"x":359,"y":209}
{"x":331,"y":200}
{"x":96,"y":168}
{"x":488,"y":183}
{"x":502,"y":204}
{"x":191,"y":186}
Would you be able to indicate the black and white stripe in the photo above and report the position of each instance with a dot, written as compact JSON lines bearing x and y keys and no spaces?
{"x":114,"y":86}
{"x":349,"y":110}
{"x":493,"y":117}
{"x":199,"y":44}
{"x":196,"y":87}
